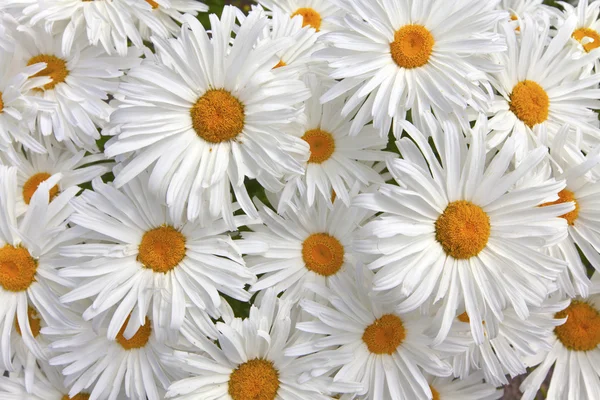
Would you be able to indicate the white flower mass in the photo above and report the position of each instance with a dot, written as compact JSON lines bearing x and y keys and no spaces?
{"x":299,"y":199}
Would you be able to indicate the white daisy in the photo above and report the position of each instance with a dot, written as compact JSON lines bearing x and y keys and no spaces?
{"x":454,"y":226}
{"x":34,"y":168}
{"x":81,"y":81}
{"x":317,"y":14}
{"x":471,"y":387}
{"x":208,"y":114}
{"x":390,"y":350}
{"x":574,"y":354}
{"x":542,"y":88}
{"x":413,"y":54}
{"x":28,"y":257}
{"x":586,"y":36}
{"x":129,"y":364}
{"x":249,"y":362}
{"x":337,"y":160}
{"x":141,"y":259}
{"x":534,"y":8}
{"x":303,"y":244}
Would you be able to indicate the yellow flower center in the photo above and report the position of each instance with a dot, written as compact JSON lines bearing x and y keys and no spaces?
{"x":565,"y":196}
{"x":530,"y":103}
{"x":384,"y":335}
{"x":412,"y":46}
{"x":1,"y":104}
{"x":280,"y":64}
{"x":56,"y":68}
{"x":464,"y":317}
{"x":33,"y":183}
{"x":153,"y":4}
{"x":34,"y":322}
{"x":322,"y":145}
{"x":582,"y":33}
{"x":162,"y":249}
{"x":254,"y":380}
{"x":435,"y":394}
{"x":322,"y":254}
{"x":138,"y":340}
{"x":80,"y":396}
{"x":17,"y":268}
{"x":217,"y":116}
{"x":309,"y":17}
{"x":581,"y":332}
{"x":463,"y":229}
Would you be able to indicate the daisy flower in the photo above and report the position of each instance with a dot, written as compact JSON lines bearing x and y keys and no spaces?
{"x":454,"y":226}
{"x":142,"y":260}
{"x":413,"y":54}
{"x":315,"y":13}
{"x":207,"y":114}
{"x":586,"y":35}
{"x":249,"y":362}
{"x":33,"y":169}
{"x":81,"y":81}
{"x":471,"y":387}
{"x":302,"y":244}
{"x":534,"y":8}
{"x":390,"y":350}
{"x":28,"y":257}
{"x":541,"y":88}
{"x":130,"y":363}
{"x":574,"y":354}
{"x":506,"y":344}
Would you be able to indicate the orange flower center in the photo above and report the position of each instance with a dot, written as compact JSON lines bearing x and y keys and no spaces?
{"x":463,"y":229}
{"x":79,"y":396}
{"x":138,"y":340}
{"x":162,"y":249}
{"x":384,"y":335}
{"x":582,"y":33}
{"x":280,"y":64}
{"x":35,"y":322}
{"x":309,"y":17}
{"x":530,"y":103}
{"x":153,"y":4}
{"x":56,"y":69}
{"x":464,"y":317}
{"x":565,"y":196}
{"x":217,"y":116}
{"x":254,"y":380}
{"x":412,"y":46}
{"x":1,"y":104}
{"x":17,"y":268}
{"x":434,"y":393}
{"x":33,"y":183}
{"x":322,"y":145}
{"x":323,"y":254}
{"x":581,"y":332}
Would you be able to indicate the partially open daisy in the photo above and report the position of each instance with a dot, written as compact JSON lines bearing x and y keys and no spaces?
{"x":337,"y":160}
{"x":455,"y":231}
{"x":132,"y":243}
{"x":586,"y":36}
{"x":130,"y":364}
{"x":28,"y":255}
{"x":471,"y":387}
{"x":541,"y":89}
{"x":217,"y":117}
{"x":302,"y":244}
{"x":407,"y":54}
{"x":536,"y":9}
{"x":249,"y":362}
{"x":80,"y":82}
{"x":390,"y":349}
{"x":574,"y":354}
{"x":314,"y":13}
{"x":34,"y":169}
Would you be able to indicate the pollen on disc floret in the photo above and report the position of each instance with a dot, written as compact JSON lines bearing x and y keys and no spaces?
{"x":565,"y":196}
{"x":162,"y":249}
{"x":323,"y":254}
{"x":384,"y":335}
{"x":56,"y":68}
{"x":33,"y":183}
{"x":309,"y":17}
{"x":17,"y":268}
{"x":256,"y":379}
{"x":581,"y":331}
{"x":463,"y":229}
{"x":412,"y":46}
{"x":530,"y":103}
{"x":322,"y":145}
{"x":591,"y":34}
{"x":218,"y":116}
{"x":138,"y":340}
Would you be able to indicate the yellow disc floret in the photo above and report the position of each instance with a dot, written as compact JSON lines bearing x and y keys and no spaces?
{"x":309,"y":17}
{"x":79,"y":396}
{"x":254,"y":380}
{"x":33,"y":183}
{"x":162,"y":249}
{"x":412,"y":46}
{"x":530,"y":103}
{"x":138,"y":340}
{"x":591,"y":34}
{"x":322,"y":145}
{"x":35,"y":322}
{"x":218,"y":116}
{"x":17,"y":268}
{"x":565,"y":196}
{"x":384,"y":335}
{"x":581,"y":331}
{"x":323,"y":254}
{"x":463,"y":229}
{"x":56,"y":68}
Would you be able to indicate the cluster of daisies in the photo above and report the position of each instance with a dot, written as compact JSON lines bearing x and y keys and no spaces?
{"x":404,"y":193}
